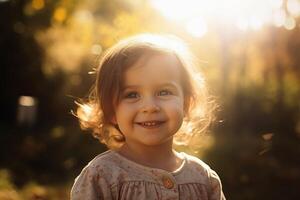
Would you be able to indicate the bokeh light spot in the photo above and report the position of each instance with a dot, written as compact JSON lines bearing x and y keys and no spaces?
{"x":38,"y":4}
{"x":60,"y":14}
{"x":96,"y":49}
{"x":26,"y":101}
{"x":293,"y":7}
{"x":290,"y":23}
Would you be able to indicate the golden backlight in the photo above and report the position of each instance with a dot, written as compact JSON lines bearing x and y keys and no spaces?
{"x":245,"y":15}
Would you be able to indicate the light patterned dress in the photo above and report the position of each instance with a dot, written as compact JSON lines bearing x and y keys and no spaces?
{"x":112,"y":176}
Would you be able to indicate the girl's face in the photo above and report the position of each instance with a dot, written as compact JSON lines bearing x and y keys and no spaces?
{"x":151,"y":106}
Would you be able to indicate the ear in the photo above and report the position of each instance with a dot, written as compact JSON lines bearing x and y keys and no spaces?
{"x":114,"y":120}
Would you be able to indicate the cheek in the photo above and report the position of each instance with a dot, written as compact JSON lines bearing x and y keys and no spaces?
{"x":175,"y":115}
{"x":175,"y":108}
{"x":124,"y":112}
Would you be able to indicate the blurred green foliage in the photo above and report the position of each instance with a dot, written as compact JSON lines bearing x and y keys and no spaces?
{"x":48,"y":49}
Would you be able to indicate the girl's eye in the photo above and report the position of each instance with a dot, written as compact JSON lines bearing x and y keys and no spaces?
{"x":131,"y":95}
{"x":164,"y":93}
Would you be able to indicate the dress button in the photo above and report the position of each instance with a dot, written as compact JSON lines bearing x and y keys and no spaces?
{"x":167,"y":182}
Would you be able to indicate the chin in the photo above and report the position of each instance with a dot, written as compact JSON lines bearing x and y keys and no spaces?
{"x":156,"y":142}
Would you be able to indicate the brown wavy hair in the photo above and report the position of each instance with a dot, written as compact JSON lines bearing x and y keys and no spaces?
{"x":97,"y":111}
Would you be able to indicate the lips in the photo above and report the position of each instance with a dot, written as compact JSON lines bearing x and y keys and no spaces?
{"x":150,"y":124}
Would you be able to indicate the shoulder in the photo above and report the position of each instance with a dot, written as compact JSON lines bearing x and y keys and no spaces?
{"x":95,"y":180}
{"x":103,"y":159}
{"x":196,"y":163}
{"x":213,"y":181}
{"x":197,"y":166}
{"x":102,"y":165}
{"x":96,"y":166}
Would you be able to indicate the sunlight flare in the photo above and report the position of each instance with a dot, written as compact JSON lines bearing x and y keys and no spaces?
{"x":293,"y":7}
{"x":196,"y":27}
{"x":236,"y":12}
{"x":279,"y":18}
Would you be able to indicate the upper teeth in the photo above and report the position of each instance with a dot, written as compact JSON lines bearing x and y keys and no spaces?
{"x":149,"y":123}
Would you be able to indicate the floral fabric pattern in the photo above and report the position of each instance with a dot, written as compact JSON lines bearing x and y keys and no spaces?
{"x":112,"y":176}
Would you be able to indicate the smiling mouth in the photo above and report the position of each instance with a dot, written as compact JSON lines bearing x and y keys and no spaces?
{"x":150,"y":124}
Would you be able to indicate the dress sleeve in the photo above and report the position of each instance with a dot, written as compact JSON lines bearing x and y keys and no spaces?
{"x":90,"y":185}
{"x":216,"y":192}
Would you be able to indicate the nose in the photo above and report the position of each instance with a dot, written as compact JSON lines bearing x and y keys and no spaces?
{"x":150,"y":105}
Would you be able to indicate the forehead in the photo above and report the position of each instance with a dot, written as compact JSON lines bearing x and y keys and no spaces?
{"x":153,"y":69}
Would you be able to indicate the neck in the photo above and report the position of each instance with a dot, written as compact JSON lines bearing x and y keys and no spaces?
{"x":160,"y":156}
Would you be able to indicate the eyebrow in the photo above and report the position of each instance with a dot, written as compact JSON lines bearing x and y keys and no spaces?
{"x":125,"y":87}
{"x":165,"y":84}
{"x":169,"y":84}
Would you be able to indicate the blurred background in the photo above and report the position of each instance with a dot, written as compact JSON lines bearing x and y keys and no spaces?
{"x":249,"y":52}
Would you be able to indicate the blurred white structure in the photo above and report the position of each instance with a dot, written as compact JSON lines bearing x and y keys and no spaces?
{"x":27,"y":110}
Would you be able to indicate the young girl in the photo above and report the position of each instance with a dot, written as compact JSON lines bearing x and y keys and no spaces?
{"x":147,"y":96}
